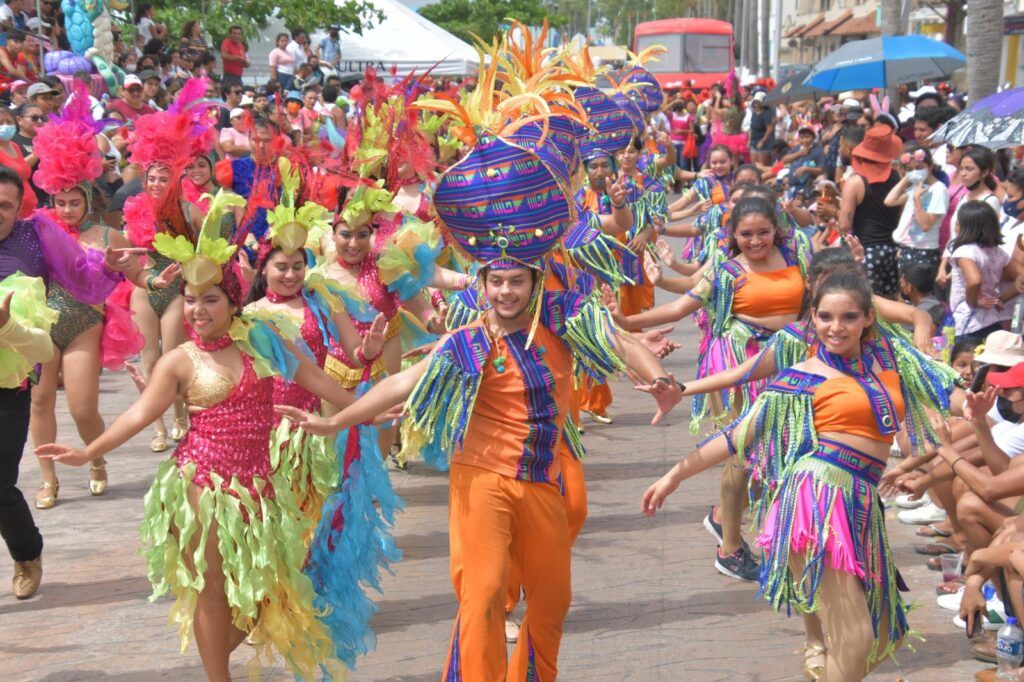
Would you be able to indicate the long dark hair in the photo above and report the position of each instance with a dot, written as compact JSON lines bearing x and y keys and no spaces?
{"x":746,"y":207}
{"x":851,"y":282}
{"x":259,"y":285}
{"x":985,"y":160}
{"x":979,"y":224}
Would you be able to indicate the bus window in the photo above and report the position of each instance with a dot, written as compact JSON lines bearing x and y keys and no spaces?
{"x":706,"y":53}
{"x":669,"y":62}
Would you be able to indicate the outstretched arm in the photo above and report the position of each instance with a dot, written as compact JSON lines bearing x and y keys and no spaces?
{"x":166,"y":383}
{"x":382,"y":397}
{"x":759,"y":367}
{"x":711,"y":453}
{"x":661,"y":385}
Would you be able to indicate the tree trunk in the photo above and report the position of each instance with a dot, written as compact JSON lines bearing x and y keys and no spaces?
{"x":892,"y":18}
{"x":984,"y":47}
{"x":753,"y":49}
{"x":766,"y":40}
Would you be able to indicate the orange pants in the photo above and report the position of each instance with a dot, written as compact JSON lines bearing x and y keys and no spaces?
{"x":574,"y":496}
{"x":637,"y":298}
{"x":596,"y":398}
{"x":493,"y":522}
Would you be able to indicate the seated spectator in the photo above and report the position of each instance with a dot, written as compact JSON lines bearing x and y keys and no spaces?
{"x":805,"y":163}
{"x":917,"y":283}
{"x":979,"y":268}
{"x":131,"y":104}
{"x":193,"y":43}
{"x":231,"y":93}
{"x":233,"y":55}
{"x":234,"y":138}
{"x":42,"y":95}
{"x":148,"y":28}
{"x":19,"y":93}
{"x":925,"y":201}
{"x":13,"y":15}
{"x":12,"y":157}
{"x":282,"y":62}
{"x":28,"y":58}
{"x":151,"y":85}
{"x":9,"y":57}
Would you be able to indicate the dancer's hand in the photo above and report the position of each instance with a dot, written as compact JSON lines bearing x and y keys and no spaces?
{"x":618,"y":191}
{"x":137,"y":377}
{"x":652,"y":271}
{"x":612,"y":304}
{"x":167,"y":276}
{"x":64,"y":454}
{"x":665,"y":253}
{"x":120,"y":260}
{"x":640,"y":241}
{"x":395,"y":414}
{"x":5,"y":309}
{"x":373,"y":342}
{"x":657,"y":341}
{"x":307,"y":421}
{"x":667,"y":394}
{"x":655,"y":496}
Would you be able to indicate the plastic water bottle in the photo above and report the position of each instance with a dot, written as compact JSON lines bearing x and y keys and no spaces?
{"x":1009,"y":650}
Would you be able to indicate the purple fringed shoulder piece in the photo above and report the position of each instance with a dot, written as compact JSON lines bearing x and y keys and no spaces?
{"x":81,"y":271}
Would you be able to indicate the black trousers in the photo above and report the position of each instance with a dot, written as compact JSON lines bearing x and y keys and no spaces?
{"x":16,"y":525}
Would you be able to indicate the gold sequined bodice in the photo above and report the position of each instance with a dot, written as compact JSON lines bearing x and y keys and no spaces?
{"x":208,"y":387}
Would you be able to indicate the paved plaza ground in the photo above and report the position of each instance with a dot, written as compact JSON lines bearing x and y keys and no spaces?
{"x":648,"y":604}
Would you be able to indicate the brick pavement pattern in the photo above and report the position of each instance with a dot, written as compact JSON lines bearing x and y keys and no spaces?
{"x":648,"y":604}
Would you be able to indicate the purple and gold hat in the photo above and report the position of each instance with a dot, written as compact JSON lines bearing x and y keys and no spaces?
{"x":646,"y":90}
{"x":629,"y":105}
{"x":504,"y":203}
{"x":612,"y":126}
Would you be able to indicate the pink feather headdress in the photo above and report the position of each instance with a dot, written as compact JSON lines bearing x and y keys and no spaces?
{"x":66,"y":146}
{"x":173,"y":138}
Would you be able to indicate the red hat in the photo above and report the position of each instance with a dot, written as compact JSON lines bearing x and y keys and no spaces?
{"x":873,"y":157}
{"x":1011,"y":378}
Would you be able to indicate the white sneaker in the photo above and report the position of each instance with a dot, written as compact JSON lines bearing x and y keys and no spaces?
{"x":951,"y":602}
{"x":511,"y":630}
{"x":922,"y":516}
{"x":905,"y":501}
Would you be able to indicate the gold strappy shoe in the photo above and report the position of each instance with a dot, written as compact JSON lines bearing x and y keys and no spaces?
{"x":179,"y":429}
{"x":813,"y":653}
{"x":48,"y":500}
{"x":159,"y":442}
{"x":98,"y":486}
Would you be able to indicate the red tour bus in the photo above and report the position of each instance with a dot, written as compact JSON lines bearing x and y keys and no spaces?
{"x":700,"y":51}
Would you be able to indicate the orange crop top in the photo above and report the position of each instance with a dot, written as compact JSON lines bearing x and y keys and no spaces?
{"x":841,"y":406}
{"x":760,"y":294}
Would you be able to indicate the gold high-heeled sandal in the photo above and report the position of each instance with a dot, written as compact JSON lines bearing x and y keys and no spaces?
{"x":98,"y":486}
{"x":812,"y":668}
{"x":179,"y":429}
{"x":159,"y":442}
{"x":47,"y":501}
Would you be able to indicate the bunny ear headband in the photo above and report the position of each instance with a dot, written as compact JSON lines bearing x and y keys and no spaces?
{"x":879,"y":108}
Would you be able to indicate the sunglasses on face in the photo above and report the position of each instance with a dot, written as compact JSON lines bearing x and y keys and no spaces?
{"x":35,"y":119}
{"x":907,"y":157}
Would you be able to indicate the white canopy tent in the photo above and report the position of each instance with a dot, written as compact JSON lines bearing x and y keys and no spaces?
{"x":403,"y":39}
{"x":406,"y":41}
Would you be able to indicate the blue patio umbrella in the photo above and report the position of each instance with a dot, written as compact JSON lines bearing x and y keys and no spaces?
{"x":997,"y":122}
{"x":883,"y":62}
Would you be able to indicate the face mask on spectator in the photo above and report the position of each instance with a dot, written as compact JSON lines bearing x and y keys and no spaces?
{"x":1010,"y":207}
{"x":130,"y":68}
{"x":7,"y":131}
{"x":916,"y":177}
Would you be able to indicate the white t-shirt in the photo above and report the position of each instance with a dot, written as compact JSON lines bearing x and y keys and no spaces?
{"x":1007,"y":435}
{"x":146,"y":28}
{"x":297,"y":53}
{"x":936,"y":202}
{"x":1011,"y":229}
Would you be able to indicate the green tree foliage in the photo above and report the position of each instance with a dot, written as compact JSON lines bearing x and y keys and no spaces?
{"x":486,"y":18}
{"x":252,"y":15}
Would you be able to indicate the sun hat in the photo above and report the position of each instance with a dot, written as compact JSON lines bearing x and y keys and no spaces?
{"x":1002,"y":348}
{"x":873,"y":157}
